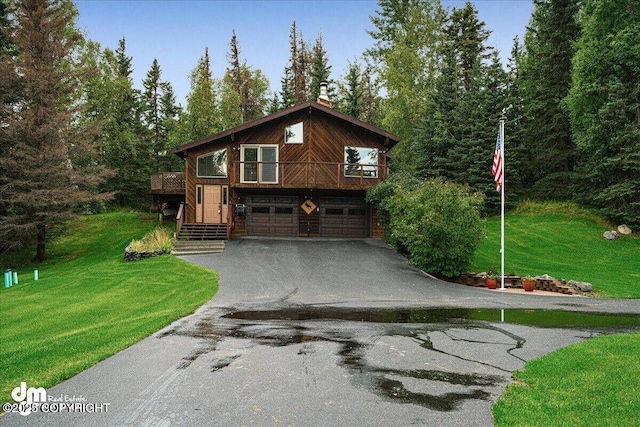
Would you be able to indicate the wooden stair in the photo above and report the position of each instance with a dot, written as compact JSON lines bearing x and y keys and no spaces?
{"x":191,"y":231}
{"x":196,"y":247}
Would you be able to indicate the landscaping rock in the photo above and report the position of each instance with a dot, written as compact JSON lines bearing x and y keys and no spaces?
{"x":624,"y":229}
{"x":130,"y":255}
{"x":581,"y":286}
{"x":610,"y":235}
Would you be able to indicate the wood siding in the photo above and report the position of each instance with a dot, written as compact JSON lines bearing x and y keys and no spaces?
{"x":317,"y":163}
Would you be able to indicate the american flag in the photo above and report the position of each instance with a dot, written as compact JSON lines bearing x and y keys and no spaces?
{"x":496,"y":170}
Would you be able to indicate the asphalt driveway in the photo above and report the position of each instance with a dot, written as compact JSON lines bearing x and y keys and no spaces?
{"x":230,"y":364}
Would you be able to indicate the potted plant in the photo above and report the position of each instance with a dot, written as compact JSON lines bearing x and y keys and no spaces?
{"x":529,"y":283}
{"x":491,"y":279}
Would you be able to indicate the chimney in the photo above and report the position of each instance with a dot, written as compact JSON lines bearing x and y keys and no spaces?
{"x":323,"y":99}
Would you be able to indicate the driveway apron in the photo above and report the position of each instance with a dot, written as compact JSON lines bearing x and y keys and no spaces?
{"x":320,"y":333}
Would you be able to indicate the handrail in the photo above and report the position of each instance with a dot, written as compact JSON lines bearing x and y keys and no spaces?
{"x":179,"y":219}
{"x":310,"y":174}
{"x":167,"y":181}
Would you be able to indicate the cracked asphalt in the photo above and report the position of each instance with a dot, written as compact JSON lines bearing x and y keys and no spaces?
{"x":323,"y":333}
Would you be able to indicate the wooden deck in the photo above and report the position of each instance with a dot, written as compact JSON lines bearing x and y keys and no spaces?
{"x":168,"y":183}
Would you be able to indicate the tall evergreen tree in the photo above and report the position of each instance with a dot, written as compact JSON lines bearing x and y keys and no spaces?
{"x":250,"y":86}
{"x":351,"y":92}
{"x":435,"y":134}
{"x":319,"y":68}
{"x":372,"y":101}
{"x":466,"y":35}
{"x":605,"y":108}
{"x":51,"y":168}
{"x":546,"y":79}
{"x":517,"y":155}
{"x":456,"y":138}
{"x":124,"y":61}
{"x":273,"y":105}
{"x":357,"y":94}
{"x":202,"y":115}
{"x":237,"y":76}
{"x":151,"y":100}
{"x":297,"y":83}
{"x":112,"y":102}
{"x":286,"y":92}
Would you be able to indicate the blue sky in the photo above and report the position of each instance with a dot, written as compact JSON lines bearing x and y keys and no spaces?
{"x":177,"y":32}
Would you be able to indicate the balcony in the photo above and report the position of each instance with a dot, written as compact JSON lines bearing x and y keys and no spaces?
{"x":321,"y":175}
{"x":168,"y":183}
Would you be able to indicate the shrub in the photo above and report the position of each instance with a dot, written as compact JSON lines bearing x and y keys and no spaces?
{"x":381,"y":195}
{"x":157,"y":240}
{"x":438,"y":224}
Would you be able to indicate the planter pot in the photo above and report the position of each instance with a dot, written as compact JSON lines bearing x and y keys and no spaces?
{"x":491,"y":283}
{"x":528,"y":286}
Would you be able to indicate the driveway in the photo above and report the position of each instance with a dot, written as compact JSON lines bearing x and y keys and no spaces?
{"x":322,"y":332}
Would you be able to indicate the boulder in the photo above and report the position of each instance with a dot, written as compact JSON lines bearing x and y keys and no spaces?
{"x":581,"y":286}
{"x":624,"y":229}
{"x":610,"y":235}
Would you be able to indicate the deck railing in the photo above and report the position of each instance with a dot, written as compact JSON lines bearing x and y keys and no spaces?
{"x":168,"y":182}
{"x":327,"y":175}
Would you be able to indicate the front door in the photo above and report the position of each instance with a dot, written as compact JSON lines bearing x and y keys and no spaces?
{"x":212,"y":204}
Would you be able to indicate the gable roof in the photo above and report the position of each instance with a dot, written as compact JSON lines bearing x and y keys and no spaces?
{"x":392,"y":139}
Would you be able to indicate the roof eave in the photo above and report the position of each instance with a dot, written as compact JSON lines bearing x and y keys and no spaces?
{"x":389,"y":137}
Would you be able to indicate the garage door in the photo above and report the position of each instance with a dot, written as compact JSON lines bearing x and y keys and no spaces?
{"x":272,"y":216}
{"x":344,"y":217}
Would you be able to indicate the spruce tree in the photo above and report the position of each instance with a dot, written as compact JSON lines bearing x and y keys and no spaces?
{"x":202,"y":116}
{"x":51,"y":169}
{"x":351,"y":92}
{"x":467,"y":35}
{"x":286,"y":92}
{"x":297,"y":81}
{"x":605,"y":110}
{"x":319,"y":69}
{"x":546,"y":79}
{"x":249,"y":86}
{"x":112,"y":102}
{"x":151,"y":100}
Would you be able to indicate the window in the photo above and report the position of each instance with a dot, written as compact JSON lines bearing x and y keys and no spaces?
{"x":260,"y":209}
{"x":361,"y":160}
{"x":287,"y":211}
{"x":259,"y":164}
{"x":334,"y":211}
{"x":293,"y":134}
{"x":213,"y":165}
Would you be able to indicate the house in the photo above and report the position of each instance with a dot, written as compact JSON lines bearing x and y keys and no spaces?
{"x":303,"y":171}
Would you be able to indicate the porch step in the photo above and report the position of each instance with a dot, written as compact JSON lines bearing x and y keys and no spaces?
{"x":195,"y":247}
{"x":191,"y":231}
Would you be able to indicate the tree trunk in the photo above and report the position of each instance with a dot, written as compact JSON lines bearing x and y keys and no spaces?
{"x":41,"y":241}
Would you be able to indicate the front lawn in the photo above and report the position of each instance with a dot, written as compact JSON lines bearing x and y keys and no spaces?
{"x":592,"y":383}
{"x":89,"y":303}
{"x":563,"y":241}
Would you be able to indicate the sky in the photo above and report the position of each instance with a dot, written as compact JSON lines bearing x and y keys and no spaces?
{"x":177,"y":32}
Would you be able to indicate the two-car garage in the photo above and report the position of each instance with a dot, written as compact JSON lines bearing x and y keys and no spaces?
{"x":297,"y":215}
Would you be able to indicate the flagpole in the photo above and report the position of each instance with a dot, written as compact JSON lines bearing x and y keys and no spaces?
{"x":502,"y":120}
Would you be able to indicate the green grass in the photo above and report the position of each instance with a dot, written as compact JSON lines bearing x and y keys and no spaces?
{"x":89,"y":303}
{"x":563,"y":241}
{"x":593,"y":383}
